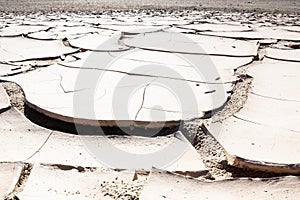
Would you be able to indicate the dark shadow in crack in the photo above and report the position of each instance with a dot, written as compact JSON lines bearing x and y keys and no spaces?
{"x":58,"y":125}
{"x":246,"y":173}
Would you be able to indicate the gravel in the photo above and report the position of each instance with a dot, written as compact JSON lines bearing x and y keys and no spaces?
{"x":15,"y":94}
{"x":120,"y":190}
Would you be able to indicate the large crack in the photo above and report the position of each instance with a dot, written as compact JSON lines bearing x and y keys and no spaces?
{"x":143,"y":100}
{"x":149,"y":75}
{"x":211,"y":151}
{"x":26,"y":170}
{"x":213,"y":154}
{"x":190,"y":53}
{"x":263,"y":124}
{"x":274,"y":98}
{"x":38,"y":150}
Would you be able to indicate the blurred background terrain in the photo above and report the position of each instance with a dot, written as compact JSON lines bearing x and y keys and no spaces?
{"x":287,"y":6}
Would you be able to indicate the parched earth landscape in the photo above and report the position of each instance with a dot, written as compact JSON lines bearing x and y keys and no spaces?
{"x":149,"y":100}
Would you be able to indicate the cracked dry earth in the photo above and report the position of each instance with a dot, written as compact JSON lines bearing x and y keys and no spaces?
{"x":233,"y":144}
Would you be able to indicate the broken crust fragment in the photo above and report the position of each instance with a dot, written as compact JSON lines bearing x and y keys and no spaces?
{"x":291,"y":55}
{"x":291,"y":169}
{"x":165,"y":185}
{"x":248,"y":164}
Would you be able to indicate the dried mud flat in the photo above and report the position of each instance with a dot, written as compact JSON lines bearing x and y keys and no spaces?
{"x":213,"y":154}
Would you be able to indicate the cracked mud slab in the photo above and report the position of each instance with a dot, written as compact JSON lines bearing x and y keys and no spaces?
{"x":248,"y":135}
{"x":105,"y":42}
{"x":265,"y":111}
{"x":154,"y":64}
{"x":259,"y":33}
{"x":23,"y":141}
{"x":19,"y":30}
{"x":256,"y":146}
{"x":164,"y":185}
{"x":60,"y":87}
{"x":217,"y":27}
{"x":276,"y":79}
{"x":285,"y":55}
{"x":9,"y":176}
{"x":91,"y":151}
{"x":66,"y":182}
{"x":133,"y":29}
{"x":60,"y":32}
{"x":20,"y":49}
{"x":4,"y":100}
{"x":19,"y":138}
{"x":191,"y":44}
